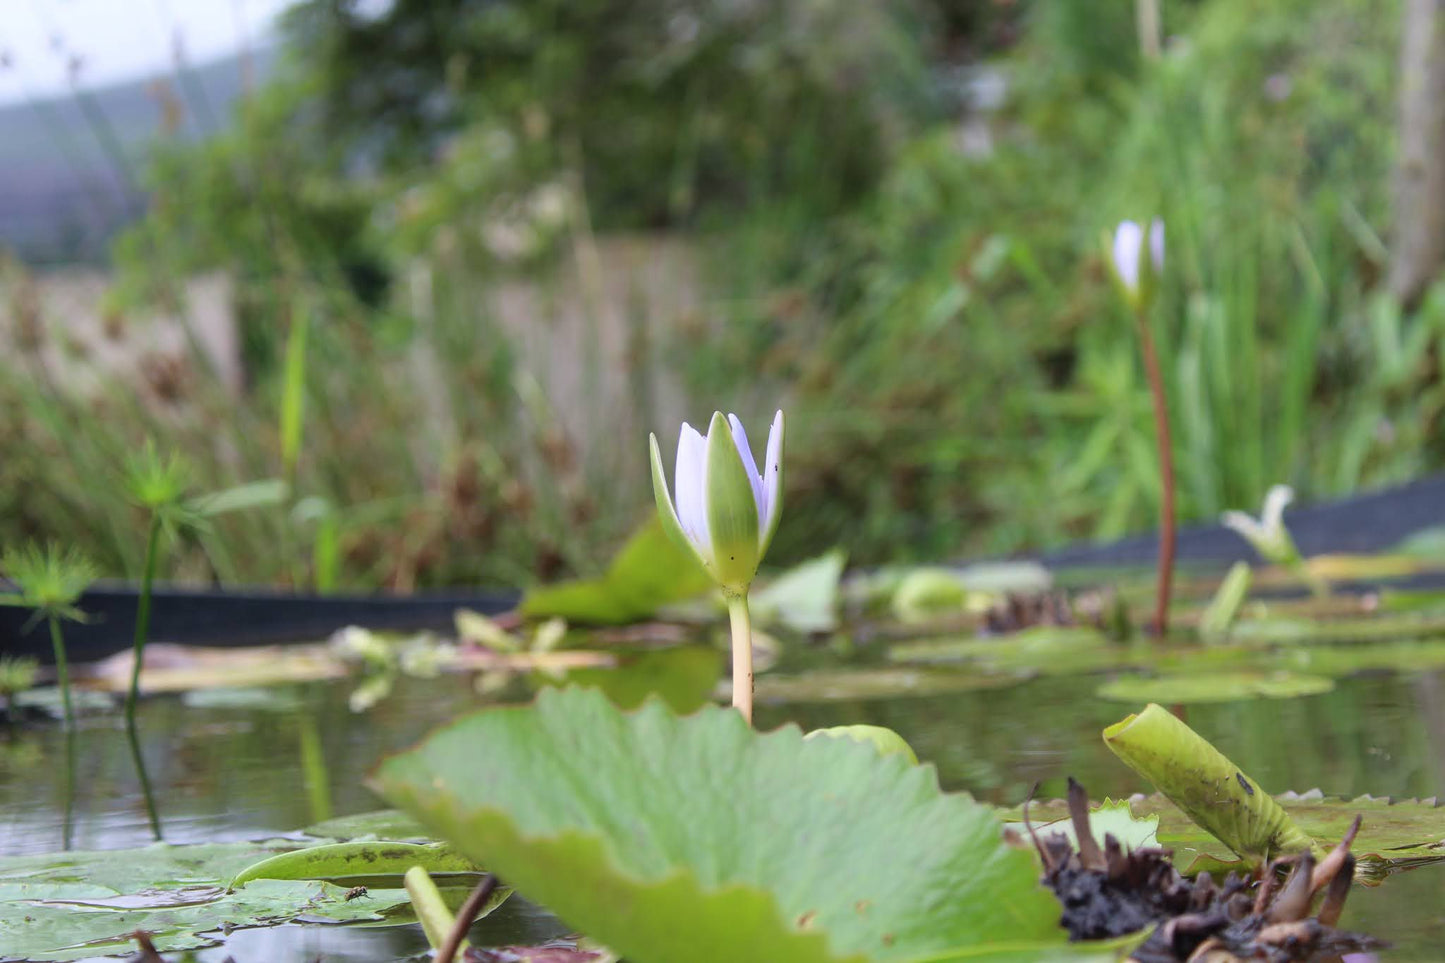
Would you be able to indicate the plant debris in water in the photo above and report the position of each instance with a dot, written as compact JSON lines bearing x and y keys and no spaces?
{"x":1109,"y":892}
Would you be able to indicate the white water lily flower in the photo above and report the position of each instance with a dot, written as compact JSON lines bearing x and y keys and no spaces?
{"x":1137,"y":274}
{"x":725,"y":510}
{"x":1267,"y":533}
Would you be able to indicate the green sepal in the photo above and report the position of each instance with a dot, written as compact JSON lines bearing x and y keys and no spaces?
{"x":732,"y":512}
{"x":666,"y":511}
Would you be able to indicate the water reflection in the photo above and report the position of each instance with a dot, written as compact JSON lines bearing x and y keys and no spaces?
{"x":241,"y":771}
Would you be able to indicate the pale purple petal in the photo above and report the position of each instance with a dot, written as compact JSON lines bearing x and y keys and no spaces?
{"x":1156,"y":243}
{"x":1128,"y":238}
{"x":772,"y":474}
{"x":740,"y":439}
{"x":689,"y":482}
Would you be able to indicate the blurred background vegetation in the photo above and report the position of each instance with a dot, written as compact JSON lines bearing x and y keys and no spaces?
{"x":475,"y":250}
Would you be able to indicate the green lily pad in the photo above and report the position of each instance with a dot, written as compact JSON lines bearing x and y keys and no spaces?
{"x":1373,"y":628}
{"x":1049,"y":650}
{"x":885,"y":682}
{"x":769,"y":846}
{"x":1109,"y":818}
{"x":339,"y":861}
{"x":390,"y":824}
{"x":1339,"y":660}
{"x":649,"y":572}
{"x":1394,"y":835}
{"x":1213,"y":687}
{"x":804,"y":598}
{"x":68,"y":906}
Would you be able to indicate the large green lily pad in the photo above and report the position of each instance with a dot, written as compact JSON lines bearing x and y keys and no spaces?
{"x":696,"y":838}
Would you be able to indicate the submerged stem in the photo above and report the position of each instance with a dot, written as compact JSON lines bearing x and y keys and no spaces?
{"x":62,"y":671}
{"x":742,"y":655}
{"x":142,"y":634}
{"x":1166,"y":474}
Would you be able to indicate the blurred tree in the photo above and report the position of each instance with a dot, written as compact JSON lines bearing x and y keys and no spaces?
{"x":666,"y":108}
{"x":1420,"y":176}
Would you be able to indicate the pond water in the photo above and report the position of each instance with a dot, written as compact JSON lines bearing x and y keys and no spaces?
{"x":243,"y":769}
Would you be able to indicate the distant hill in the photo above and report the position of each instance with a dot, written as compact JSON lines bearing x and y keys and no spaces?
{"x":70,"y":167}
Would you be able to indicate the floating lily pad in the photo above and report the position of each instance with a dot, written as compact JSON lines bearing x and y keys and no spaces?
{"x":886,"y":682}
{"x":1339,"y":660}
{"x":70,"y":906}
{"x":624,"y":824}
{"x":1110,"y":818}
{"x":1394,"y":835}
{"x":1213,"y":687}
{"x":1049,"y":650}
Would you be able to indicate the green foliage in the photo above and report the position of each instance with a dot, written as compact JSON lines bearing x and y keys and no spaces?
{"x":49,"y":580}
{"x":828,"y":851}
{"x":650,"y":571}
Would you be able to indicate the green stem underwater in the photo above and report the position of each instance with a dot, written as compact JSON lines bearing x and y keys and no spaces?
{"x":142,"y":633}
{"x":62,"y":671}
{"x":742,"y":633}
{"x":1166,"y":474}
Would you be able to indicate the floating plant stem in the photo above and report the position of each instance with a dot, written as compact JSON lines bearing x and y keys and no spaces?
{"x":431,"y":910}
{"x":62,"y":671}
{"x":465,"y":916}
{"x":142,"y":634}
{"x":742,"y":639}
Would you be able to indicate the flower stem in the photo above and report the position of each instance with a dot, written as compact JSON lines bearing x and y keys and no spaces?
{"x":1166,"y":474}
{"x":142,"y":634}
{"x":62,"y":677}
{"x":742,"y":655}
{"x":62,"y":671}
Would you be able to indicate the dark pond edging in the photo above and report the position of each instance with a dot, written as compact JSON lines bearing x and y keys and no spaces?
{"x":1361,"y":524}
{"x":233,"y":618}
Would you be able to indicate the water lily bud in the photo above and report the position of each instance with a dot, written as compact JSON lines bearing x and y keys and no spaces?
{"x":722,"y":508}
{"x":1137,"y":261}
{"x":886,"y":741}
{"x":1267,"y":533}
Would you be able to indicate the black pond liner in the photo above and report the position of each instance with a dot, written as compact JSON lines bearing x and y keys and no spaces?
{"x":1362,"y":524}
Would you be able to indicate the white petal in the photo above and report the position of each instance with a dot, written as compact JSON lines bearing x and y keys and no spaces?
{"x":1156,"y":243}
{"x":771,"y":474}
{"x":1274,"y":502}
{"x":1252,"y":531}
{"x":740,"y":439}
{"x":1128,"y":237}
{"x":689,"y":485}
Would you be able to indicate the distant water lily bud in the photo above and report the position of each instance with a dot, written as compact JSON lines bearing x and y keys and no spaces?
{"x":722,"y":507}
{"x":1267,"y":533}
{"x":1138,"y":261}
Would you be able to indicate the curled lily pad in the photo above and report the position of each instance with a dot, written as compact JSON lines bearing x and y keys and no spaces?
{"x":338,"y":861}
{"x":1213,"y":687}
{"x":623,"y":824}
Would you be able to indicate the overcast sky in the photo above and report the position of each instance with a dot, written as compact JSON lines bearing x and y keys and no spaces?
{"x":118,"y":39}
